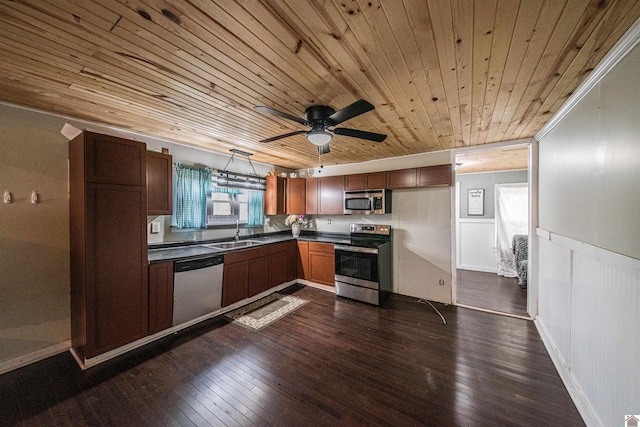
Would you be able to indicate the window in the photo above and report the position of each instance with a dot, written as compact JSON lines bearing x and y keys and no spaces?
{"x":225,"y":206}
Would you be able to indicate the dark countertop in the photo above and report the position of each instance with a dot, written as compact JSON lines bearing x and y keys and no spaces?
{"x":179,"y":251}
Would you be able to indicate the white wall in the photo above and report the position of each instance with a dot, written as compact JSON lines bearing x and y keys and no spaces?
{"x":589,"y":242}
{"x":34,"y":239}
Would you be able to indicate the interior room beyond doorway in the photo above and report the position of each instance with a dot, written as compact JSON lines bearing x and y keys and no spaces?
{"x":491,"y":217}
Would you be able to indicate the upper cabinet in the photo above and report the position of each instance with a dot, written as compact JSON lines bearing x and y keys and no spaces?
{"x":312,"y":196}
{"x":159,"y":184}
{"x":296,"y":195}
{"x":325,"y":195}
{"x":365,"y":181}
{"x":431,"y":176}
{"x":285,"y":196}
{"x":274,"y":197}
{"x":111,"y":160}
{"x":403,"y":178}
{"x":331,"y":195}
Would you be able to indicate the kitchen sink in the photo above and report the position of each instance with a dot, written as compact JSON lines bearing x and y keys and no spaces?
{"x":232,"y":245}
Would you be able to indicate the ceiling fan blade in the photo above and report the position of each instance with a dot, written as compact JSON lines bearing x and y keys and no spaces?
{"x":354,"y":133}
{"x":324,"y":149}
{"x":280,"y":114}
{"x":350,"y":111}
{"x":286,"y":135}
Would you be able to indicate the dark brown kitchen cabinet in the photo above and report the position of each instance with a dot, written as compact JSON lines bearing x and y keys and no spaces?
{"x":282,"y":263}
{"x":431,"y":176}
{"x":245,"y":274}
{"x":296,"y":196}
{"x":258,"y":278}
{"x":159,"y":184}
{"x":402,"y":178}
{"x":160,"y":296}
{"x":303,"y":260}
{"x":322,"y":263}
{"x":311,"y":185}
{"x":331,"y":195}
{"x":325,"y":195}
{"x":275,"y":196}
{"x":108,"y":242}
{"x":285,"y":196}
{"x":365,"y":181}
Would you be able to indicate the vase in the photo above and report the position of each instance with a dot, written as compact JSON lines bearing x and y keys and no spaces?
{"x":295,"y":230}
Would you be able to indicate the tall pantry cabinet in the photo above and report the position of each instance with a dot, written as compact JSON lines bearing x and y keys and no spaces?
{"x":107,"y":208}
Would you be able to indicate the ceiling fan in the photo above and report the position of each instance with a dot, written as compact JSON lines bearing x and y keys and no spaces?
{"x":320,"y":118}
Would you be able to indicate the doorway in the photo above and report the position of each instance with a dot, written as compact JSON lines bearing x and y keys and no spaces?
{"x":486,"y":273}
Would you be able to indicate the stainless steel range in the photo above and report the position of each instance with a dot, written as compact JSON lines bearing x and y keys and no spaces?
{"x":364,"y":266}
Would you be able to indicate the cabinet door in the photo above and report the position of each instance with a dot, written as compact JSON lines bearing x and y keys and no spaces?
{"x":278,"y":264}
{"x":303,"y":260}
{"x":275,"y":196}
{"x":376,"y":181}
{"x":160,"y":296}
{"x":322,"y":267}
{"x":258,"y":275}
{"x":312,"y":196}
{"x":111,"y":160}
{"x":292,"y":260}
{"x":403,"y":178}
{"x":159,"y":184}
{"x":116,"y":284}
{"x":331,"y":197}
{"x":355,"y":182}
{"x":296,"y":195}
{"x":235,"y":282}
{"x":435,"y":175}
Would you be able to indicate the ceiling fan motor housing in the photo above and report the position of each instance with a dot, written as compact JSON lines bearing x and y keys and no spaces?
{"x":318,"y":112}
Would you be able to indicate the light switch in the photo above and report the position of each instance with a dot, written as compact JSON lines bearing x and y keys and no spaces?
{"x":155,"y":227}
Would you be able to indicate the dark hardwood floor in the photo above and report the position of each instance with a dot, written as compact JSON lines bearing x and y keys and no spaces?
{"x":333,"y":361}
{"x":490,"y":291}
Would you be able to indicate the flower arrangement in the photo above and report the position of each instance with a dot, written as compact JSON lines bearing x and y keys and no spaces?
{"x":295,"y":219}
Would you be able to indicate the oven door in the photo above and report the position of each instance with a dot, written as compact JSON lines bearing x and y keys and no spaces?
{"x":357,"y":266}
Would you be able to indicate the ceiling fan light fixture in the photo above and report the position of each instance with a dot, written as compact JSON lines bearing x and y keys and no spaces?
{"x":319,"y":136}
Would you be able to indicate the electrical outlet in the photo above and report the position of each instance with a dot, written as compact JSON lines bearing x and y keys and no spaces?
{"x":441,"y":282}
{"x":155,"y":227}
{"x":329,"y":221}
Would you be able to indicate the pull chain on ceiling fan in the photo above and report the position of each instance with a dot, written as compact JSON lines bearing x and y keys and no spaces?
{"x":320,"y":118}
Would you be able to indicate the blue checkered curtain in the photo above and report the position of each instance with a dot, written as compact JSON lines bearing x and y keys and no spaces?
{"x":256,"y":200}
{"x":191,"y":185}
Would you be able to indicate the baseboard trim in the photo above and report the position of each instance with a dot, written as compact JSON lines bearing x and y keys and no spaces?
{"x":585,"y":409}
{"x":501,"y":313}
{"x":88,"y":363}
{"x":309,"y":283}
{"x":478,"y":268}
{"x":33,"y":357}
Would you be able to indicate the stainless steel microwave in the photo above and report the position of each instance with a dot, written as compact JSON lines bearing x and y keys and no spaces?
{"x":369,"y":202}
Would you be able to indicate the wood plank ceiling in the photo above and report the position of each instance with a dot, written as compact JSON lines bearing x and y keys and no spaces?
{"x":442,"y":74}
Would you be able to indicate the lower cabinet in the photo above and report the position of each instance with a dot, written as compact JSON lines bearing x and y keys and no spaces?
{"x":282,"y":263}
{"x":160,"y":296}
{"x":316,"y":262}
{"x":252,"y":271}
{"x":244,"y":273}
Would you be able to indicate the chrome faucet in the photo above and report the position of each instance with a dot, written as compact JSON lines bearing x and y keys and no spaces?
{"x":237,"y":230}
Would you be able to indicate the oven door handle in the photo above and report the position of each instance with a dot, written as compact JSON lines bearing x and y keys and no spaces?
{"x":355,"y":249}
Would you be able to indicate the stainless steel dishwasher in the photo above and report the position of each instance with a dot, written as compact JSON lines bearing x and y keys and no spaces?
{"x":197,"y":288}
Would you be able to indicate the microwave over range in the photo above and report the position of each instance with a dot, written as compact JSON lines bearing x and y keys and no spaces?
{"x":370,"y":202}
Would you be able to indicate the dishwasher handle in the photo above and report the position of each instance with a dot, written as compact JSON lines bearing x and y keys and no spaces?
{"x":196,"y":264}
